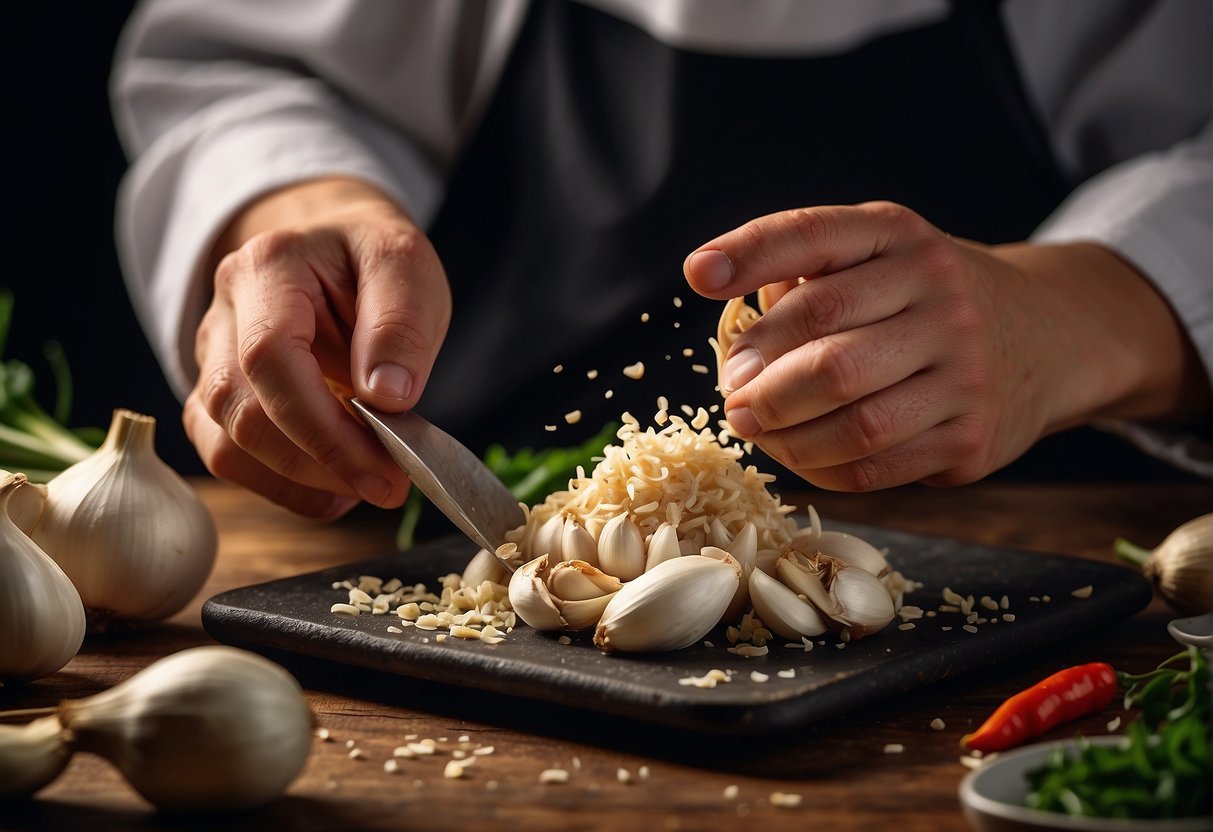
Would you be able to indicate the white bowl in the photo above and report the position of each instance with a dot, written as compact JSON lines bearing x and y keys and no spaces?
{"x":993,"y":799}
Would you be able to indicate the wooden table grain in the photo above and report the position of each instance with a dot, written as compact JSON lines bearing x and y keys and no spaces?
{"x":676,"y":780}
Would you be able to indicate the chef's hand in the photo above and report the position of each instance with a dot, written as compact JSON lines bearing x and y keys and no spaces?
{"x":323,"y":282}
{"x":907,"y":355}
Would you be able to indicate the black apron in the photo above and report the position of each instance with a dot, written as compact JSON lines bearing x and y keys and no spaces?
{"x":606,"y":157}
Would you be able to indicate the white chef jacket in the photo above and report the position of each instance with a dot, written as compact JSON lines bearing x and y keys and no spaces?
{"x":221,"y":101}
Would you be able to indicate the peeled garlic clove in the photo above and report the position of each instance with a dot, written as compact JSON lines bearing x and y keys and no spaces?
{"x":864,"y":604}
{"x":485,"y":566}
{"x":26,"y":503}
{"x":578,"y":544}
{"x":530,"y":597}
{"x":782,"y":610}
{"x":206,"y":728}
{"x":741,"y":598}
{"x":854,"y":551}
{"x":42,"y":620}
{"x":31,"y":756}
{"x":744,"y":547}
{"x":621,"y":548}
{"x":585,"y":613}
{"x":794,"y":574}
{"x":672,"y":606}
{"x":548,"y":537}
{"x":127,"y":529}
{"x":718,"y":535}
{"x":576,"y":580}
{"x":663,"y":545}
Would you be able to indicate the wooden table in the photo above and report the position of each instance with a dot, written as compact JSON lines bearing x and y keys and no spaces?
{"x":845,"y":778}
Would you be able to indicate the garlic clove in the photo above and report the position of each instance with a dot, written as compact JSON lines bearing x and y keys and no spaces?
{"x":42,"y":620}
{"x":31,"y":756}
{"x":26,"y":503}
{"x":718,"y":534}
{"x":578,"y":544}
{"x":782,"y":610}
{"x":206,"y":728}
{"x":669,"y":607}
{"x":802,"y":580}
{"x":864,"y":604}
{"x":583,"y":614}
{"x":530,"y":597}
{"x":485,"y":566}
{"x":741,"y":598}
{"x":744,"y":546}
{"x":621,"y":548}
{"x":854,"y":551}
{"x":549,"y":537}
{"x":663,"y":545}
{"x":575,"y":580}
{"x":132,"y":535}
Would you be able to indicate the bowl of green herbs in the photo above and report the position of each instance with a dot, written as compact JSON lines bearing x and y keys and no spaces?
{"x":1155,"y":777}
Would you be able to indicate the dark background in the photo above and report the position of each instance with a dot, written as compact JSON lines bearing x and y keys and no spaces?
{"x":63,"y":164}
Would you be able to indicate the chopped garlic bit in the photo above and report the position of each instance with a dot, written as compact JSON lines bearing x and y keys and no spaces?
{"x":483,"y":751}
{"x":677,"y":302}
{"x":758,"y":677}
{"x":748,"y":650}
{"x":454,"y":770}
{"x":644,"y":317}
{"x":323,"y":735}
{"x":1113,"y":725}
{"x":391,"y":766}
{"x":344,"y":609}
{"x":785,"y":800}
{"x":549,"y":428}
{"x":708,"y":680}
{"x":1083,"y":591}
{"x":553,"y":775}
{"x":969,"y":628}
{"x":643,"y":772}
{"x":623,"y":776}
{"x":790,"y":673}
{"x":938,"y":724}
{"x":909,"y":625}
{"x":634,"y":371}
{"x":355,"y":754}
{"x":558,"y":368}
{"x":700,"y":368}
{"x":572,"y":417}
{"x":894,"y":748}
{"x":731,"y":791}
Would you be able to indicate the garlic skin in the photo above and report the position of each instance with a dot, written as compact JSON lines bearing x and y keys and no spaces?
{"x":42,"y":619}
{"x":127,"y":529}
{"x":31,"y":756}
{"x":530,"y":598}
{"x":671,"y":606}
{"x":26,"y":503}
{"x":206,"y":728}
{"x":569,"y":596}
{"x":1181,"y":567}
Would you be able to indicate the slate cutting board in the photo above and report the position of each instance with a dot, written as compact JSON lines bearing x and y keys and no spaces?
{"x":292,"y":615}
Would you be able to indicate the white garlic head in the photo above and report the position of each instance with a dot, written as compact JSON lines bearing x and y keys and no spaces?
{"x":131,"y":534}
{"x":41,"y":617}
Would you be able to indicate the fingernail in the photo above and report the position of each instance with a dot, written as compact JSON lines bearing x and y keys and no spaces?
{"x":373,"y":488}
{"x":391,"y":381}
{"x":712,"y":269}
{"x":740,"y":369}
{"x":742,"y":421}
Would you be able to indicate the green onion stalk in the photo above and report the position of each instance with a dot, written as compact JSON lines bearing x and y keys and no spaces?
{"x":32,"y":441}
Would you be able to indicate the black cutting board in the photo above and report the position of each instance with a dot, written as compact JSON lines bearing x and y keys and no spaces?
{"x":292,"y":615}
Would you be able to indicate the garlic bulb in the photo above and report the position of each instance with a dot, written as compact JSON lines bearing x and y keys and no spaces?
{"x":127,"y":529}
{"x":672,"y":606}
{"x":1181,"y":567}
{"x":26,"y":502}
{"x":207,"y":728}
{"x":41,"y":616}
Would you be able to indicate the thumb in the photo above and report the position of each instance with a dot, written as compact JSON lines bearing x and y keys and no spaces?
{"x":401,"y":318}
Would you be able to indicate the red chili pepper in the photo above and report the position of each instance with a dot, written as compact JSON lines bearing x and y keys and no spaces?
{"x":1066,"y":695}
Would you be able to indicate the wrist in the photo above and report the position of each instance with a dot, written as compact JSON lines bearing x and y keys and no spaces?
{"x":1114,"y":347}
{"x":304,"y":204}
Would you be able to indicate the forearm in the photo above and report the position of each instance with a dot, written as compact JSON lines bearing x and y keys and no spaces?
{"x":1115,"y":347}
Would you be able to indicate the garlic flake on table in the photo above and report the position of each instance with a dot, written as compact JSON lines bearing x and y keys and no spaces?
{"x":41,"y":616}
{"x":209,"y":728}
{"x":131,"y":533}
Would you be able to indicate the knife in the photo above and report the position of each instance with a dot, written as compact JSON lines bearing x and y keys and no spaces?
{"x":452,"y":477}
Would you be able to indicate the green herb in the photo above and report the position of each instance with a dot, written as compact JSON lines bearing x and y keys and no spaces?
{"x":529,"y":474}
{"x":1161,"y":769}
{"x":33,"y":441}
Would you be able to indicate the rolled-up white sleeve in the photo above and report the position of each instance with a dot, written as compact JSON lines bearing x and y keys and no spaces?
{"x":217,"y":103}
{"x":1156,"y":211}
